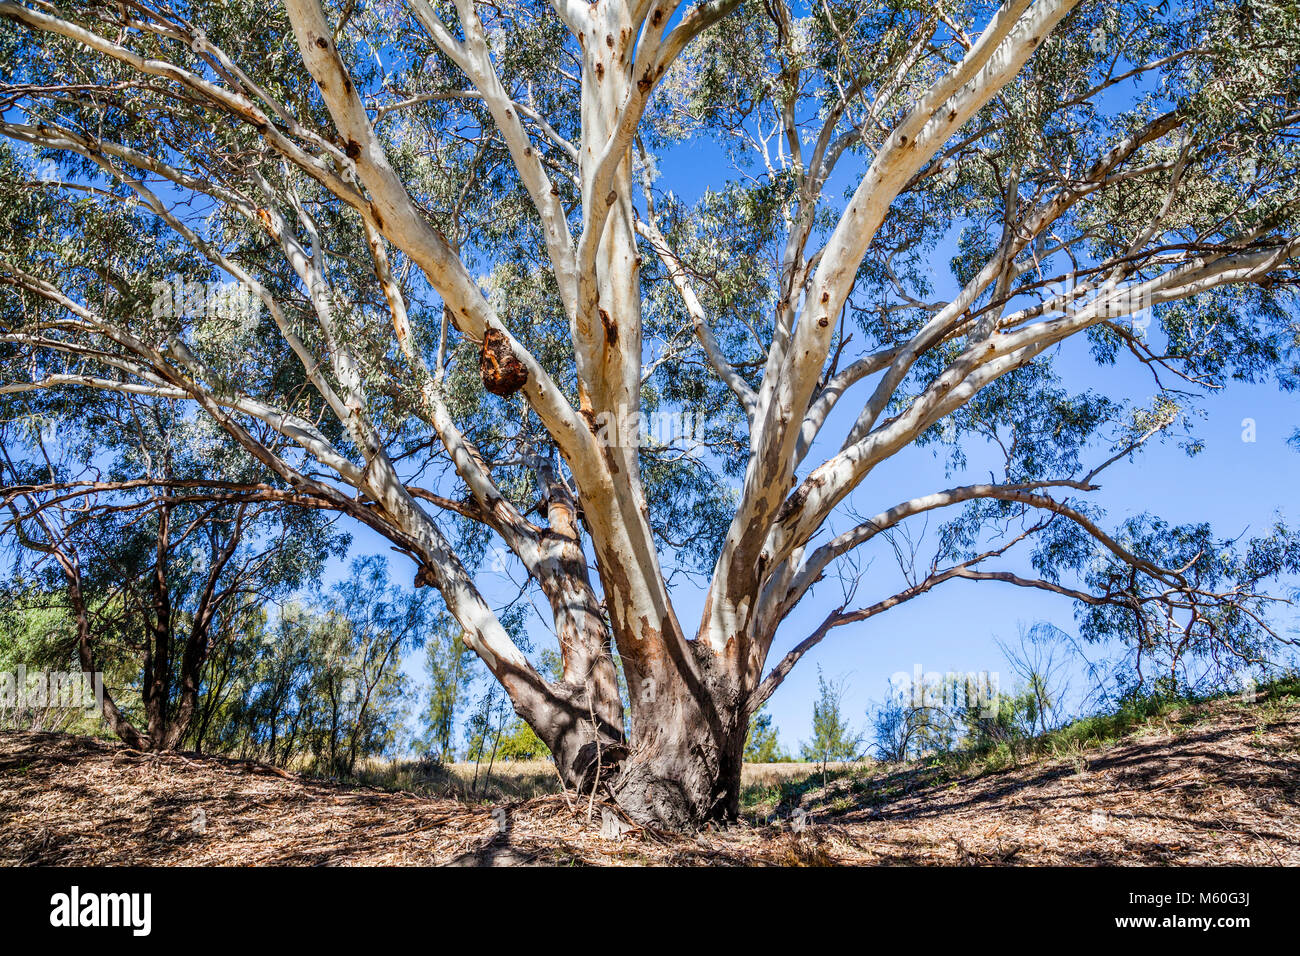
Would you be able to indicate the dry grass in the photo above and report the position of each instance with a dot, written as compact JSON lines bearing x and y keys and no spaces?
{"x":1213,"y":784}
{"x":772,"y":774}
{"x":509,"y":781}
{"x":513,"y":780}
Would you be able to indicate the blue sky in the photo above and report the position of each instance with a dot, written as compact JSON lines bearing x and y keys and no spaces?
{"x":1237,"y":486}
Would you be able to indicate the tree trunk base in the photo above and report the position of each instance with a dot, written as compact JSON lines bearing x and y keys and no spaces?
{"x":684,"y":789}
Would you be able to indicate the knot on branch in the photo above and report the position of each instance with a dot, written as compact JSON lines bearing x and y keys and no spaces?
{"x":502,"y":372}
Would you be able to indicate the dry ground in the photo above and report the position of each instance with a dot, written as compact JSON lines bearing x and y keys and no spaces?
{"x":1212,"y":784}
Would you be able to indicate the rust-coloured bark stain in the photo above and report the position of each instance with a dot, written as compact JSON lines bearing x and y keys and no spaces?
{"x":502,"y":372}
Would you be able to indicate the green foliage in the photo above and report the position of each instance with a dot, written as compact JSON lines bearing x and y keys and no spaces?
{"x":833,"y":739}
{"x":320,"y":686}
{"x":486,"y":725}
{"x":762,"y":742}
{"x":520,"y":742}
{"x":164,"y":574}
{"x":449,"y":666}
{"x":903,"y":729}
{"x":35,"y":630}
{"x":1009,"y":719}
{"x":38,"y":635}
{"x":1218,"y":181}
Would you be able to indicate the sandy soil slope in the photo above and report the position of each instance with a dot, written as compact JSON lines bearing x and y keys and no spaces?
{"x":1218,"y":784}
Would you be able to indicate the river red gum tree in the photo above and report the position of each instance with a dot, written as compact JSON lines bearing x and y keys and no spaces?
{"x":305,"y":162}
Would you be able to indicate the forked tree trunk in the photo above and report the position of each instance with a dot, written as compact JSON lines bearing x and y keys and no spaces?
{"x":684,"y":770}
{"x":678,"y":766}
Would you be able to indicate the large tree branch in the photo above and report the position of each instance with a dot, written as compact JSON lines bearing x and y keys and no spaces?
{"x":988,"y":359}
{"x":1016,"y":30}
{"x":474,"y":58}
{"x":699,"y":321}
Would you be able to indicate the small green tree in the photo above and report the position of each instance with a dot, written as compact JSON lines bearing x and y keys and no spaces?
{"x":904,"y":728}
{"x":833,"y":738}
{"x":37,"y":633}
{"x":449,"y":664}
{"x":1009,"y":719}
{"x":484,"y":729}
{"x":763,"y":744}
{"x":520,"y":742}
